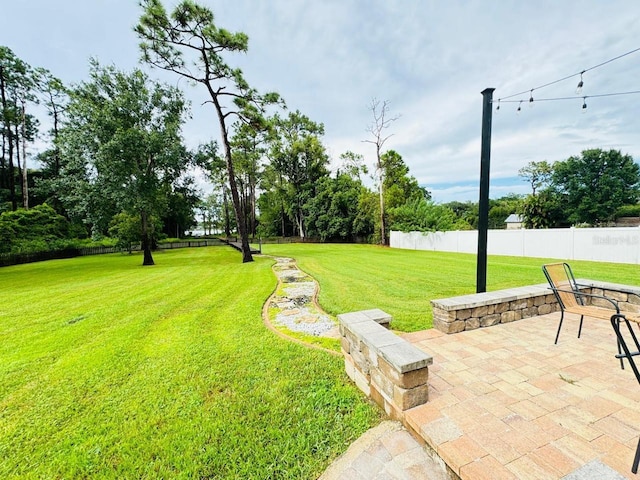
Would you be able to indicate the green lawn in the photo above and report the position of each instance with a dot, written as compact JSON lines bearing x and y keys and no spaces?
{"x":403,"y":282}
{"x":113,"y":370}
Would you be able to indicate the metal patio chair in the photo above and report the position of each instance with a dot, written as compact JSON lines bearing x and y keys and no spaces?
{"x":571,"y":299}
{"x":616,"y":321}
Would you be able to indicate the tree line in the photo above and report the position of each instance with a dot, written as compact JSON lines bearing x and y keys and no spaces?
{"x":117,"y":166}
{"x":591,"y":189}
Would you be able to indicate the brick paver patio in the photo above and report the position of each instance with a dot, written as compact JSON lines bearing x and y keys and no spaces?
{"x":506,"y":403}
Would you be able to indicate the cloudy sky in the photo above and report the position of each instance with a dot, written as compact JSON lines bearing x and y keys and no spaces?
{"x":429,"y":59}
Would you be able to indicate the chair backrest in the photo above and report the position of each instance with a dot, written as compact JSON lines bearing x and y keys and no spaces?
{"x":563,"y":283}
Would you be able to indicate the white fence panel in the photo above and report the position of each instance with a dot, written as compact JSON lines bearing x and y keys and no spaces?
{"x":617,"y":245}
{"x":621,"y":245}
{"x":551,"y":243}
{"x":505,"y":242}
{"x":468,"y":241}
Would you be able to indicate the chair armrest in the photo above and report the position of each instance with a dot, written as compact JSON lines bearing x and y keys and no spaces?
{"x":590,"y":295}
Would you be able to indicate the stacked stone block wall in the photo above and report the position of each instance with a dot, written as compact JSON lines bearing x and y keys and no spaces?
{"x":468,"y":312}
{"x":628,"y":298}
{"x":385,"y":367}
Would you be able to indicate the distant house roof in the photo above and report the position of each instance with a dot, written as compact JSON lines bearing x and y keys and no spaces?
{"x":513,"y":218}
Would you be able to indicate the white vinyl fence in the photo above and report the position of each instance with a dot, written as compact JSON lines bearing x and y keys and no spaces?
{"x":618,"y":245}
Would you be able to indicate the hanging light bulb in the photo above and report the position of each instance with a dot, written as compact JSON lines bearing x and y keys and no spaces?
{"x":498,"y":106}
{"x":584,"y":104}
{"x":519,"y":107}
{"x":580,"y":84}
{"x":531,"y":99}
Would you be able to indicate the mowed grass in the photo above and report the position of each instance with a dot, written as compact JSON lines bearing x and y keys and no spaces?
{"x":113,"y":370}
{"x":403,"y":282}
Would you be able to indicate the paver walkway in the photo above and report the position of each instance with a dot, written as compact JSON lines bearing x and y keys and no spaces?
{"x":386,"y":452}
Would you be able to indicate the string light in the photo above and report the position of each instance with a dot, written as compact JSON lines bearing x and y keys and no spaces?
{"x":580,"y":73}
{"x":584,"y":99}
{"x":531,"y":99}
{"x":580,"y":84}
{"x":498,"y":106}
{"x":555,"y":99}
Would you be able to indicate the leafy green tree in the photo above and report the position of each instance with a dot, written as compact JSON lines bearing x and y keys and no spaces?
{"x":189,"y":44}
{"x":179,"y":215}
{"x":123,"y":148}
{"x":248,"y":148}
{"x":364,"y":224}
{"x":40,"y":223}
{"x":419,"y":214}
{"x":399,"y":186}
{"x":215,"y":167}
{"x":595,"y":184}
{"x":352,"y":164}
{"x":333,"y":210}
{"x":542,"y":210}
{"x":501,"y":208}
{"x":466,"y":213}
{"x":273,"y":200}
{"x":299,"y":161}
{"x":54,"y":96}
{"x":212,"y":211}
{"x":538,"y":174}
{"x":17,"y":90}
{"x":273,"y":219}
{"x":126,"y":229}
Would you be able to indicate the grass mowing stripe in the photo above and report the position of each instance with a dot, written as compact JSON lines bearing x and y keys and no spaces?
{"x":403,"y":282}
{"x":169,"y":374}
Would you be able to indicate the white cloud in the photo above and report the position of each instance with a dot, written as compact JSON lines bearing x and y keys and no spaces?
{"x":429,"y":59}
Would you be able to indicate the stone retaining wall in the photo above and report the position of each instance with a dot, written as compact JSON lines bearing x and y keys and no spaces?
{"x":627,"y":297}
{"x":395,"y":374}
{"x":468,"y":312}
{"x":385,"y":367}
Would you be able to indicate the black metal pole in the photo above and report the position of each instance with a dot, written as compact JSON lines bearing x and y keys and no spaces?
{"x":483,"y":213}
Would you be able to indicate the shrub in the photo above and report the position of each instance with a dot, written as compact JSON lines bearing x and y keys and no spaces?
{"x":24,"y":229}
{"x":421,"y":216}
{"x":126,"y":229}
{"x":628,"y":211}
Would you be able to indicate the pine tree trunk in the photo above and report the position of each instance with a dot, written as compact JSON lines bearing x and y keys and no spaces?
{"x":12,"y":173}
{"x":237,"y":208}
{"x":5,"y":137}
{"x":227,"y":219}
{"x":25,"y":178}
{"x":253,"y":210}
